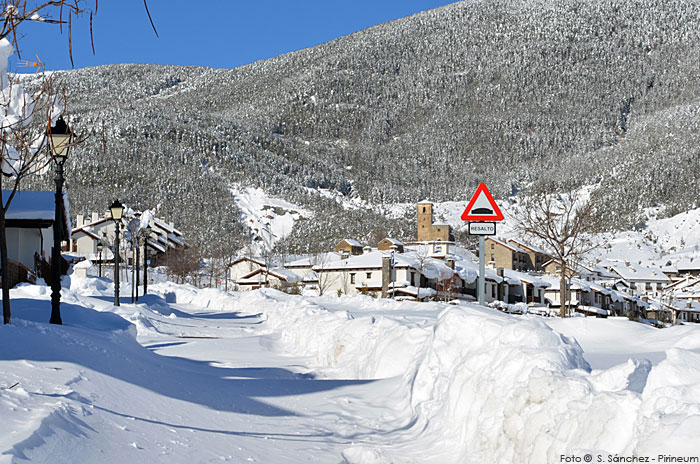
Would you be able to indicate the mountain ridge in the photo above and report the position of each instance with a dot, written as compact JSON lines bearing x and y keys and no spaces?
{"x":510,"y":93}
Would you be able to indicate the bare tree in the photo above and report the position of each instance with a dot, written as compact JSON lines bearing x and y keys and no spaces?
{"x":563,"y":223}
{"x":320,"y":263}
{"x":422,"y":253}
{"x":184,"y":262}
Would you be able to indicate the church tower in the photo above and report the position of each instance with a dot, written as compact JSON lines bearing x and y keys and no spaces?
{"x":425,"y":221}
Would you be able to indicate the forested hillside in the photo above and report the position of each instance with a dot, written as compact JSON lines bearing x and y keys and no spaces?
{"x":508,"y":92}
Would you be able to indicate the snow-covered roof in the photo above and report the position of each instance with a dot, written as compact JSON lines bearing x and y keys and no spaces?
{"x":76,"y":233}
{"x":527,"y":246}
{"x":248,"y":259}
{"x":36,"y":205}
{"x":431,"y":268}
{"x":468,"y":271}
{"x":311,"y":260}
{"x":533,"y":280}
{"x":280,"y":273}
{"x":688,"y":264}
{"x":510,"y":246}
{"x":593,"y":310}
{"x":414,"y":292}
{"x":352,"y":242}
{"x":636,"y":273}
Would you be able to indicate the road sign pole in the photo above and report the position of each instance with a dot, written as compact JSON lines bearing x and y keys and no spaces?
{"x":482,"y":271}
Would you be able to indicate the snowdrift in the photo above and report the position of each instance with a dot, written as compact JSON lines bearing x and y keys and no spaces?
{"x":482,"y":386}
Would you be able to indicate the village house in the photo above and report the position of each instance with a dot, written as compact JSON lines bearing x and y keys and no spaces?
{"x":689,"y":266}
{"x":687,"y":288}
{"x":591,"y":298}
{"x":374,"y":273}
{"x":500,"y":254}
{"x":689,"y":312}
{"x":101,"y":230}
{"x":29,"y":233}
{"x":527,"y":289}
{"x":389,"y":244}
{"x":648,"y":281}
{"x":349,"y":247}
{"x":244,"y":266}
{"x":536,"y":257}
{"x":279,"y":278}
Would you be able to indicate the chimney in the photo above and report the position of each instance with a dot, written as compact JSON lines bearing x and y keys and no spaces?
{"x":95,"y":216}
{"x":500,"y":272}
{"x":366,"y":250}
{"x":451,"y":263}
{"x":79,"y":221}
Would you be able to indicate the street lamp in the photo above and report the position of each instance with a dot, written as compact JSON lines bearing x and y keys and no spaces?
{"x":60,"y":139}
{"x":99,"y":254}
{"x":145,"y":259}
{"x":116,"y":210}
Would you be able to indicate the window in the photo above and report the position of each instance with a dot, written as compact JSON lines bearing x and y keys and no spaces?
{"x":413,"y":278}
{"x":352,"y":277}
{"x":493,"y":246}
{"x":424,"y":209}
{"x":369,"y":275}
{"x":493,"y":291}
{"x":493,"y":257}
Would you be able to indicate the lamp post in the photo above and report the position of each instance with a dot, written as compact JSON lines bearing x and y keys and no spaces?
{"x":99,"y":257}
{"x":60,"y":138}
{"x":145,"y":259}
{"x":116,"y":210}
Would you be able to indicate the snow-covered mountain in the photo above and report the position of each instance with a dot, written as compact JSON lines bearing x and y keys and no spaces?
{"x":509,"y":93}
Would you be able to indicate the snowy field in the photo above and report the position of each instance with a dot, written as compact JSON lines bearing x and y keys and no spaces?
{"x":199,"y":376}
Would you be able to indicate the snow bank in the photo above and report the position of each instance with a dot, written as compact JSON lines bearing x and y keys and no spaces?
{"x":339,"y":344}
{"x":483,"y":386}
{"x":205,"y":298}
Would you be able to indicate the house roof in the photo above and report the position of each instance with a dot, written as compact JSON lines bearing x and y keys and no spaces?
{"x":535,"y":281}
{"x":280,"y":273}
{"x":247,"y":258}
{"x":431,"y":268}
{"x":527,"y":246}
{"x":311,"y":260}
{"x":82,"y":231}
{"x":32,"y":208}
{"x":510,"y":246}
{"x":353,"y":243}
{"x":634,"y":272}
{"x":685,"y":265}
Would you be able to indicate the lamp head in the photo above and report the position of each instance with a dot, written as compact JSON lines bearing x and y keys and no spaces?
{"x":117,"y":210}
{"x":60,"y":140}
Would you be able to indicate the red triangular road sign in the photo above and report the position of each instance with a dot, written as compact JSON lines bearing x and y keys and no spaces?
{"x":482,"y":207}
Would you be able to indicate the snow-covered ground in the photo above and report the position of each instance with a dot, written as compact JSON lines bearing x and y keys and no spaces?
{"x":192,"y":375}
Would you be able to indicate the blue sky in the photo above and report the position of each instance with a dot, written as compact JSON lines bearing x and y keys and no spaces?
{"x":215,"y":33}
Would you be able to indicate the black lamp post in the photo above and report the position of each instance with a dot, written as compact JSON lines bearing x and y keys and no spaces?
{"x":60,"y":139}
{"x":99,"y":257}
{"x":145,"y":259}
{"x":116,"y":209}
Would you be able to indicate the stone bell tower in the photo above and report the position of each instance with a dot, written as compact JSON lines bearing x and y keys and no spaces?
{"x":425,"y":221}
